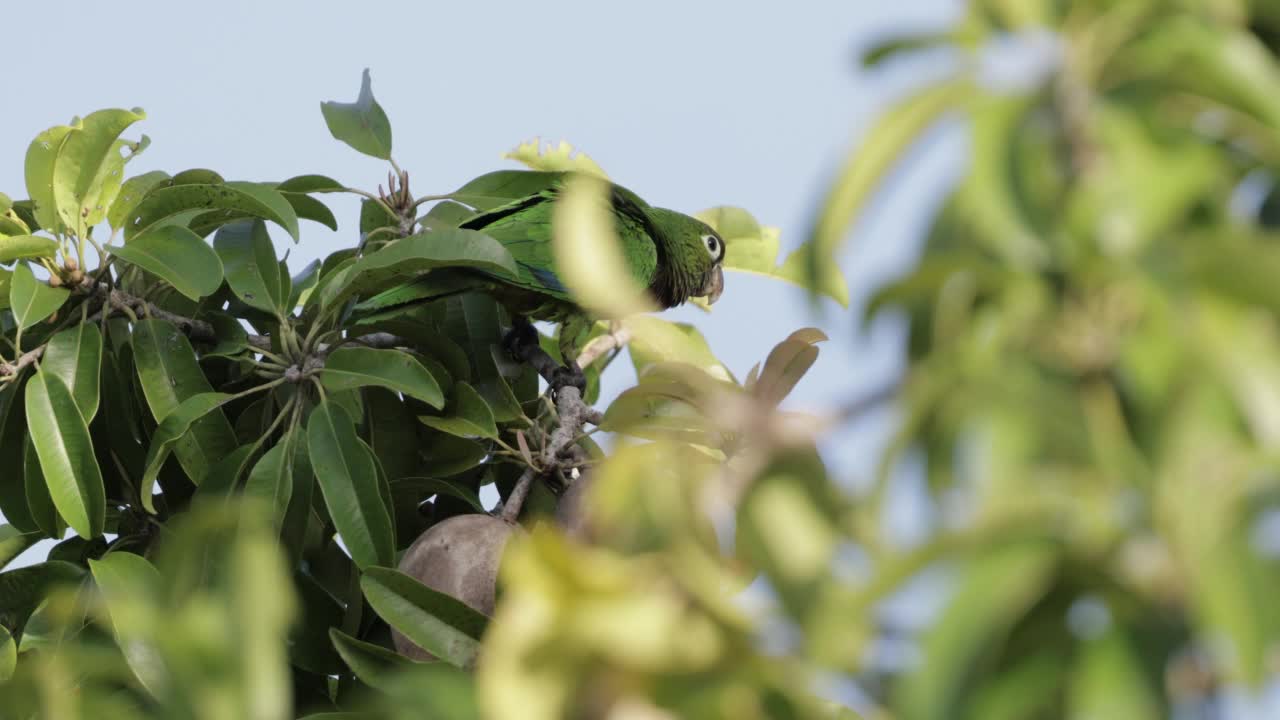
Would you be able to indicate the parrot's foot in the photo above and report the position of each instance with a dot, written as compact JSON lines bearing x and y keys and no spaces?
{"x":569,"y":375}
{"x":522,"y":343}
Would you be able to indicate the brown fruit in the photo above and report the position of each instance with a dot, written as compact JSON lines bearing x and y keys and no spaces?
{"x":55,"y":281}
{"x":458,"y":557}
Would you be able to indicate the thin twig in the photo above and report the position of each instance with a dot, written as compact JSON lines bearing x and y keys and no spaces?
{"x":603,"y":344}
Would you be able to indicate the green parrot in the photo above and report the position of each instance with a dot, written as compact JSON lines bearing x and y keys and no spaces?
{"x":673,"y":255}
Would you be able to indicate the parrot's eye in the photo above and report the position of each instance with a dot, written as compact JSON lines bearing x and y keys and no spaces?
{"x":715,"y":247}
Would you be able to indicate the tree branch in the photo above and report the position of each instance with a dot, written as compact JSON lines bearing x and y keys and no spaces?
{"x":603,"y":344}
{"x":115,"y":301}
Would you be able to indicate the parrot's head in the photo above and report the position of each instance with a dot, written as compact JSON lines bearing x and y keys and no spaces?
{"x":694,"y":255}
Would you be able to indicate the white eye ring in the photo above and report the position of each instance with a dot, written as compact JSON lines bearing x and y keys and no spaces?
{"x":714,"y":246}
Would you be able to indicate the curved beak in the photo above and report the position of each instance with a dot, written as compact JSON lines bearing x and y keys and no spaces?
{"x":714,"y":286}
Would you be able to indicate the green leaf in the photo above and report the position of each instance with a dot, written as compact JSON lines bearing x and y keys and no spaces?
{"x":588,"y":255}
{"x":352,"y":367}
{"x":197,"y":176}
{"x":881,"y":148}
{"x":392,"y":432}
{"x":251,"y":266}
{"x":272,"y":477}
{"x":362,"y":124}
{"x":303,"y":283}
{"x":996,"y":588}
{"x":24,"y":247}
{"x":371,"y":663}
{"x":177,"y":256}
{"x":468,"y":415}
{"x":1110,"y":681}
{"x":75,"y":355}
{"x":32,"y":300}
{"x":132,"y":193}
{"x":558,"y":157}
{"x":442,"y":625}
{"x":225,"y":474}
{"x":173,"y":428}
{"x":787,"y":363}
{"x":39,"y":501}
{"x":22,"y":589}
{"x":13,"y":438}
{"x":169,"y":374}
{"x":13,"y":542}
{"x":90,"y":168}
{"x":6,"y":281}
{"x":753,"y":248}
{"x":309,"y":208}
{"x":447,"y":455}
{"x":41,"y":161}
{"x":311,"y":184}
{"x":131,"y":588}
{"x":428,"y":486}
{"x":181,"y":203}
{"x":415,"y":255}
{"x":8,"y":655}
{"x":899,"y":44}
{"x":656,"y":341}
{"x":349,"y":482}
{"x":62,"y":443}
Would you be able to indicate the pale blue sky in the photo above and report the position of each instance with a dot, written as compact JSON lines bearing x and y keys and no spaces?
{"x":691,"y":104}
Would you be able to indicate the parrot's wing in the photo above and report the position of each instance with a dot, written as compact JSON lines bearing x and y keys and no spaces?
{"x":524,"y":228}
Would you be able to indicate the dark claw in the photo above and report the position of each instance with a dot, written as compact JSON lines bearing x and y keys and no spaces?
{"x":521,"y":341}
{"x":568,"y":376}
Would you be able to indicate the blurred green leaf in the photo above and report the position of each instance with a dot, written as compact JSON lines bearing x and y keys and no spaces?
{"x":559,"y":157}
{"x":22,"y":589}
{"x":880,"y":149}
{"x":656,"y":341}
{"x":13,"y":542}
{"x":131,"y":588}
{"x":753,"y":248}
{"x":787,"y":364}
{"x":995,"y":588}
{"x":8,"y":654}
{"x":1110,"y":683}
